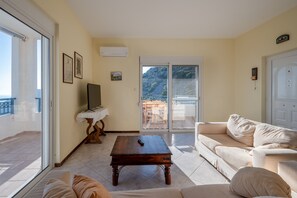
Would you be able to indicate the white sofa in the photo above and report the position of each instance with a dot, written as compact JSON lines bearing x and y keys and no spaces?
{"x":210,"y":191}
{"x":249,"y":182}
{"x":227,"y":152}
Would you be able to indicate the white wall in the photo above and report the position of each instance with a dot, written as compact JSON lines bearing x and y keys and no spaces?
{"x":122,"y":97}
{"x":251,"y":50}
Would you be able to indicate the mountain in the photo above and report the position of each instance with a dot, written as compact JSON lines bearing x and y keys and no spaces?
{"x":154,"y":82}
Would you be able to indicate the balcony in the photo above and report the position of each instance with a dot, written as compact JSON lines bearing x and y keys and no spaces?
{"x":20,"y":143}
{"x":20,"y":160}
{"x":155,"y":114}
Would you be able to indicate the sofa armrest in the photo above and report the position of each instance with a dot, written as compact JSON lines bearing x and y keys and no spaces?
{"x":288,"y":171}
{"x":269,"y":158}
{"x":210,"y":128}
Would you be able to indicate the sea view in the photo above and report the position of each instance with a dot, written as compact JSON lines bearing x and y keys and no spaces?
{"x":5,"y":96}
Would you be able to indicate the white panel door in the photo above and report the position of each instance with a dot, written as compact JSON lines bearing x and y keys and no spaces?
{"x":284,"y":92}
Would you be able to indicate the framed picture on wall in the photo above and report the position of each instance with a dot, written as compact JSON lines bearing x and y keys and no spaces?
{"x":78,"y":65}
{"x":67,"y":69}
{"x":115,"y":76}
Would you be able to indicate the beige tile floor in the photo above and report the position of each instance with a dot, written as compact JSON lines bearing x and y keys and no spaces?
{"x":19,"y":161}
{"x":188,"y":169}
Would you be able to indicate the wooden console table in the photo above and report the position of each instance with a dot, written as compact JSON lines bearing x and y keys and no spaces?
{"x":93,"y":118}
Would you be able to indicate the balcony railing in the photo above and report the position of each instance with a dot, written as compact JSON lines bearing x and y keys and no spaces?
{"x":38,"y":104}
{"x":6,"y":106}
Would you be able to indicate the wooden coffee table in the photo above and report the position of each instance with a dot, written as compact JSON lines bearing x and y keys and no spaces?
{"x":127,"y":151}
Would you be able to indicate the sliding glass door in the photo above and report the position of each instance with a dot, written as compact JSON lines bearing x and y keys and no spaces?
{"x":24,"y":104}
{"x":184,"y":98}
{"x":155,"y":97}
{"x":169,"y":97}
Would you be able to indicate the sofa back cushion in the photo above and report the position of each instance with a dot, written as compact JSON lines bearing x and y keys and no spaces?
{"x":241,"y":129}
{"x":266,"y":134}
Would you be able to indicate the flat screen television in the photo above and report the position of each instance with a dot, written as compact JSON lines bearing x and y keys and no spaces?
{"x":94,"y":96}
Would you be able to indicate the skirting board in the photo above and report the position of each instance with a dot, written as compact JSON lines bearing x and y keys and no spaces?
{"x":63,"y":161}
{"x":121,"y":131}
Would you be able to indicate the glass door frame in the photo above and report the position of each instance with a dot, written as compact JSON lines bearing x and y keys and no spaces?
{"x":25,"y":11}
{"x":170,"y":62}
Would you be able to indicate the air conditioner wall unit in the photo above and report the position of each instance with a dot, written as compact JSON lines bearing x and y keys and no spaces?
{"x":114,"y":51}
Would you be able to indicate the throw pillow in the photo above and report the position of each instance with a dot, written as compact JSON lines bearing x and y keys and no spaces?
{"x":253,"y":182}
{"x":268,"y":134}
{"x":56,"y":188}
{"x":241,"y":129}
{"x":86,"y":187}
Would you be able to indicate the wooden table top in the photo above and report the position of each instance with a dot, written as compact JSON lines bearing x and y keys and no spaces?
{"x":128,"y":145}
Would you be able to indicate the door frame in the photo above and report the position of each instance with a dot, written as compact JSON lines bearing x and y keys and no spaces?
{"x":171,"y":61}
{"x":30,"y":14}
{"x":269,"y":78}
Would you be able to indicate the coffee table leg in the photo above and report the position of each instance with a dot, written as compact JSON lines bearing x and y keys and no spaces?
{"x":167,"y":175}
{"x":115,"y":175}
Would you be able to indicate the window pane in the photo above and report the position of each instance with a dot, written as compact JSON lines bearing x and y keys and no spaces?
{"x":5,"y":66}
{"x":184,"y":99}
{"x":154,"y":97}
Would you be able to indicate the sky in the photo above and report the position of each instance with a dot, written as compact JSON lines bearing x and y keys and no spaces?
{"x":145,"y":69}
{"x":39,"y":64}
{"x":5,"y":64}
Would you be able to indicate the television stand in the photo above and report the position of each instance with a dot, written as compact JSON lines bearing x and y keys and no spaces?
{"x":93,"y":118}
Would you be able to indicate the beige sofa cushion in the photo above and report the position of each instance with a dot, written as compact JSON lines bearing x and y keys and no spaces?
{"x":149,"y":193}
{"x":288,"y":171}
{"x":209,"y":191}
{"x":253,"y":182}
{"x":269,"y":134}
{"x":86,"y":187}
{"x":241,"y":129}
{"x":211,"y":141}
{"x":56,"y":188}
{"x":235,"y":156}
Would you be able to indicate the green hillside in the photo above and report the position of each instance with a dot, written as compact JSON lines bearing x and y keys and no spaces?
{"x":154,"y":83}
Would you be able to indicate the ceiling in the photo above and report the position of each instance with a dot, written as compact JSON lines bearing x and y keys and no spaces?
{"x":175,"y":18}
